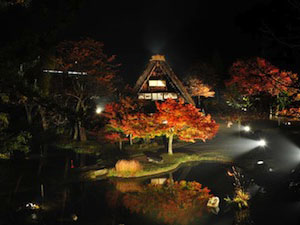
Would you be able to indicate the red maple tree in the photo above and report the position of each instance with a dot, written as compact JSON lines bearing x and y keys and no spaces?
{"x":86,"y":57}
{"x":174,"y":118}
{"x":257,"y":75}
{"x":173,"y":203}
{"x":198,"y":88}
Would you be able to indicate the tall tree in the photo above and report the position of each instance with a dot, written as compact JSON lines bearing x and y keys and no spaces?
{"x":85,"y":56}
{"x":197,"y":88}
{"x":256,"y":76}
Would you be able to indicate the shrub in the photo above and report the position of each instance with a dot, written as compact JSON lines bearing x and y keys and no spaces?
{"x":241,"y":199}
{"x":128,"y":166}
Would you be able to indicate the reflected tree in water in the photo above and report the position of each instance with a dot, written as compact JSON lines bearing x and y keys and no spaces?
{"x":173,"y":202}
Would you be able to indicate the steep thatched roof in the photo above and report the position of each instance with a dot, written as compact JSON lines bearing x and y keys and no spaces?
{"x":159,"y":61}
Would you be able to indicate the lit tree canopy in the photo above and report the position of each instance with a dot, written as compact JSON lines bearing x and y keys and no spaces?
{"x":197,"y":88}
{"x":174,"y":118}
{"x":257,"y":75}
{"x":173,"y":203}
{"x":84,"y":56}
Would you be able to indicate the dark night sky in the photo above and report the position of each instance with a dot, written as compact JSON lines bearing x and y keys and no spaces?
{"x":183,"y":31}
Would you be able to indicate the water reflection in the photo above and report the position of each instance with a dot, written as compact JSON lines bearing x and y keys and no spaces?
{"x":164,"y":200}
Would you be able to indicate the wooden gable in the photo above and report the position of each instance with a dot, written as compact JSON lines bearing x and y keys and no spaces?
{"x":159,"y":82}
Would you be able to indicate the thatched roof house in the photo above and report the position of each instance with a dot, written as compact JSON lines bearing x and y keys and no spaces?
{"x":159,"y":82}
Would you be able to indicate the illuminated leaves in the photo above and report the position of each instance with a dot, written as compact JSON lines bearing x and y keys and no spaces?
{"x":173,"y":202}
{"x":86,"y":56}
{"x":172,"y":118}
{"x":197,"y":88}
{"x":292,"y":112}
{"x":121,"y":115}
{"x":184,"y":121}
{"x":114,"y":137}
{"x":258,"y":75}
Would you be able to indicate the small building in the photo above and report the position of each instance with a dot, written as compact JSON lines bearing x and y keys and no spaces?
{"x":159,"y":82}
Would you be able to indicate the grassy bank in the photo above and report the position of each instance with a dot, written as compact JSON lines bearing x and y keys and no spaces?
{"x":170,"y":162}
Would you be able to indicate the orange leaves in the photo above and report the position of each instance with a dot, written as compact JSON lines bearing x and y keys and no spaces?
{"x":258,"y":75}
{"x":86,"y":56}
{"x":114,"y":137}
{"x":198,"y":88}
{"x":292,"y":112}
{"x":184,"y":120}
{"x":173,"y":203}
{"x":171,"y":118}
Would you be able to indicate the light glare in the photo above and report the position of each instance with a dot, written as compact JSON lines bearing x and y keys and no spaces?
{"x":262,"y":143}
{"x":247,"y":128}
{"x":98,"y":110}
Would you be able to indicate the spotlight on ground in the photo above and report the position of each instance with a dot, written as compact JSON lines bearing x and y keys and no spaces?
{"x":262,"y":143}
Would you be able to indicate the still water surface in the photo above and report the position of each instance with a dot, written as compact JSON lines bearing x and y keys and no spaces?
{"x":102,"y":201}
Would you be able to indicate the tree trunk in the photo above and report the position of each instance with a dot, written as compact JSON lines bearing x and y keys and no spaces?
{"x":75,"y":133}
{"x":277,"y":114}
{"x":277,"y":110}
{"x":82,"y":133}
{"x":43,"y":118}
{"x":28,"y":109}
{"x":130,"y":139}
{"x":271,"y":113}
{"x":120,"y":145}
{"x":170,"y":149}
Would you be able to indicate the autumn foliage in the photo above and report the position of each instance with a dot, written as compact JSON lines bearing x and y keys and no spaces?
{"x":78,"y":90}
{"x":258,"y":75}
{"x":121,"y":115}
{"x":114,"y":137}
{"x":86,"y":56}
{"x":173,"y":203}
{"x":183,"y":120}
{"x":172,"y":118}
{"x":291,"y":112}
{"x":198,"y":88}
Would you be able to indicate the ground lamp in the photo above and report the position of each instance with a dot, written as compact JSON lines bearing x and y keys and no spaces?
{"x":99,"y":109}
{"x":247,"y":128}
{"x":262,"y":143}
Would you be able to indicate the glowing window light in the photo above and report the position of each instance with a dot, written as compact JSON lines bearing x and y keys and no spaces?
{"x":157,"y":83}
{"x":68,"y":72}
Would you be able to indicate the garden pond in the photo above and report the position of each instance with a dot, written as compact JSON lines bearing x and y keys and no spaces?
{"x":140,"y":201}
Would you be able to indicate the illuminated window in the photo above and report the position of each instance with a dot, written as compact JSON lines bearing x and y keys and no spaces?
{"x":157,"y":96}
{"x":147,"y":95}
{"x":142,"y":96}
{"x":157,"y":83}
{"x":170,"y":95}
